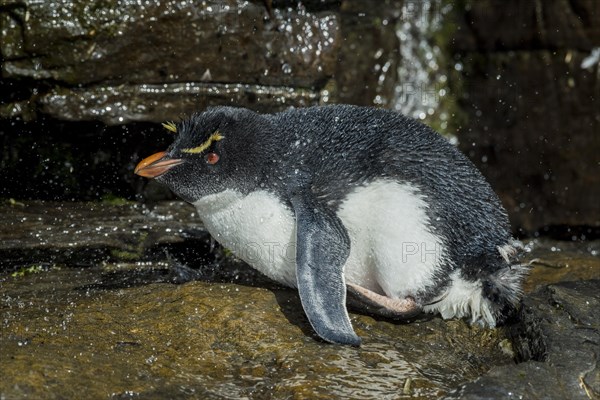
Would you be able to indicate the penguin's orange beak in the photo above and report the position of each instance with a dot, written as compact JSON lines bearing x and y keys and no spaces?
{"x":156,"y":165}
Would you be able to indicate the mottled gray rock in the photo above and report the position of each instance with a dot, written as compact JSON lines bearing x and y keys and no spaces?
{"x":558,"y":342}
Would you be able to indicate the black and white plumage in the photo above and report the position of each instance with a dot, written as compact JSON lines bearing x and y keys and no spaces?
{"x":348,"y":201}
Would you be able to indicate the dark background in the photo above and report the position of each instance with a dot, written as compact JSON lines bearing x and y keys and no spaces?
{"x":85,"y":84}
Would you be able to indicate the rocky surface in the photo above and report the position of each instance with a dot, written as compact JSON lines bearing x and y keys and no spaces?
{"x":83,"y":234}
{"x":157,"y":61}
{"x":559,"y":336}
{"x":530,"y":100}
{"x":195,"y":322}
{"x":83,"y":42}
{"x":517,"y":85}
{"x":85,"y":84}
{"x":68,"y":331}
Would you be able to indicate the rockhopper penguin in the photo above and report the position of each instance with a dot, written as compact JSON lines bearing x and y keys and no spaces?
{"x":348,"y":204}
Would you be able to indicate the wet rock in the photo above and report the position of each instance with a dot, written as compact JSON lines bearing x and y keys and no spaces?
{"x":193,"y":322}
{"x":57,"y":160}
{"x":531,"y":105}
{"x":90,"y":233}
{"x":145,"y":102}
{"x":371,"y":56}
{"x":81,"y":42}
{"x":77,"y":332}
{"x":528,"y":25}
{"x":559,"y":338}
{"x":155,"y":61}
{"x":522,"y":167}
{"x":561,"y":261}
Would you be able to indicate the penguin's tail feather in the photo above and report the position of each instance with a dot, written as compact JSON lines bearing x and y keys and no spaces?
{"x":490,"y":295}
{"x":504,"y":287}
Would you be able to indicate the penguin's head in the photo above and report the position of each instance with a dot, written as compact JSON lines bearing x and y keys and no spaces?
{"x":218,"y":149}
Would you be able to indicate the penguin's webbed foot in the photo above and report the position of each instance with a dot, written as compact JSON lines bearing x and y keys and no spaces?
{"x":375,"y":303}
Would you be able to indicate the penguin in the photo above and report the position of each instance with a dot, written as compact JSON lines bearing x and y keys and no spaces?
{"x":353,"y":206}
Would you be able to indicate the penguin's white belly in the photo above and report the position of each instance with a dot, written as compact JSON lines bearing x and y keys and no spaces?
{"x":257,"y":228}
{"x":392,"y":250}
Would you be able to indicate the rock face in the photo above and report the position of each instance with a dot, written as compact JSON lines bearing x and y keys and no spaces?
{"x":518,"y":85}
{"x":532,"y":106}
{"x":214,"y":340}
{"x":157,"y":313}
{"x":157,"y":61}
{"x":558,"y":336}
{"x":87,"y":234}
{"x":126,"y":300}
{"x":121,"y":327}
{"x":85,"y":76}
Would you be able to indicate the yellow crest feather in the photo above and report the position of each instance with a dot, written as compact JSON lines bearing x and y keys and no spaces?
{"x":170,"y":126}
{"x":215,"y":137}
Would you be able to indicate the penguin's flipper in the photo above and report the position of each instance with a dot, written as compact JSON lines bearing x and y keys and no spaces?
{"x":322,"y":247}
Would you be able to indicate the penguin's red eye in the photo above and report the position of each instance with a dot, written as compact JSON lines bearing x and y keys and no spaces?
{"x":212,"y":158}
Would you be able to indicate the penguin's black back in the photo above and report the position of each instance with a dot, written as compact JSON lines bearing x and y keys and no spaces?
{"x":344,"y":146}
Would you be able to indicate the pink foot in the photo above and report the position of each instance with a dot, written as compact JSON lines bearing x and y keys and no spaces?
{"x":378,"y":304}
